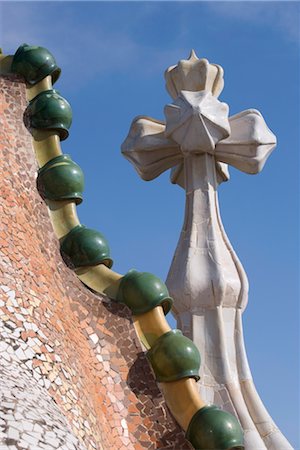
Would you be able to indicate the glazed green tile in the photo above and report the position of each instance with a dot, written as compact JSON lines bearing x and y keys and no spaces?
{"x":214,"y":429}
{"x":173,"y":357}
{"x":142,"y":291}
{"x":61,"y":179}
{"x":49,"y":111}
{"x":35,"y":63}
{"x":83,"y":247}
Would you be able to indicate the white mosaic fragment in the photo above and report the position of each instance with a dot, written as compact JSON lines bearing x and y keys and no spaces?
{"x":124,"y":424}
{"x":19,"y":317}
{"x":17,"y":424}
{"x":43,"y":336}
{"x":29,"y":439}
{"x":47,"y":383}
{"x":12,"y":297}
{"x":7,"y":417}
{"x":66,"y":374}
{"x":3,"y":346}
{"x":13,"y":433}
{"x":58,"y":381}
{"x":31,"y":342}
{"x":20,"y":354}
{"x":5,"y":288}
{"x":10,"y":350}
{"x":8,"y":405}
{"x":23,"y":344}
{"x":37,"y":428}
{"x":16,"y":333}
{"x":73,"y":394}
{"x":34,"y":434}
{"x":94,"y":338}
{"x":54,"y":442}
{"x":29,"y":364}
{"x":4,"y":334}
{"x":75,"y":412}
{"x":28,"y":426}
{"x":86,"y":424}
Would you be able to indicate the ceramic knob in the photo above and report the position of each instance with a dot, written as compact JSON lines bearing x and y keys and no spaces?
{"x":142,"y":291}
{"x":214,"y":429}
{"x":35,"y":63}
{"x":49,"y":111}
{"x":83,"y":247}
{"x":173,"y":357}
{"x":61,"y":179}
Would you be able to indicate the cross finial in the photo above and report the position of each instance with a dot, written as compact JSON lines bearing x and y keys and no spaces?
{"x":197,"y":122}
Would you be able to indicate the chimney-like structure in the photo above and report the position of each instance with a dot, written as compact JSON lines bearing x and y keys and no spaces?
{"x":198,"y":141}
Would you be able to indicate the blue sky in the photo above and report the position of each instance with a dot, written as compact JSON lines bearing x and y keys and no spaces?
{"x":113,"y":56}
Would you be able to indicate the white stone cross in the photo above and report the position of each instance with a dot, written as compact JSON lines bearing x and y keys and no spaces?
{"x":206,"y":279}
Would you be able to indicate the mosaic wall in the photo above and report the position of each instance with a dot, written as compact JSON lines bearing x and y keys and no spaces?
{"x":72,"y":371}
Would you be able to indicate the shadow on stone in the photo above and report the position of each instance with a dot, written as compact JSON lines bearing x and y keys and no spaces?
{"x":141,"y":381}
{"x":174,"y":440}
{"x":116,"y":308}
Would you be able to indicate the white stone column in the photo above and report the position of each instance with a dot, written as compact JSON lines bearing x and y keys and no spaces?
{"x":210,"y":289}
{"x":205,"y":285}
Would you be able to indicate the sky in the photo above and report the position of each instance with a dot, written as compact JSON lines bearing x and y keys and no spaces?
{"x":113,"y":56}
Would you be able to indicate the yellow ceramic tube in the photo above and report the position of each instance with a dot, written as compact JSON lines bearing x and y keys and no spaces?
{"x":46,"y":145}
{"x":101,"y":279}
{"x":44,"y":85}
{"x":63,"y":216}
{"x":5,"y":64}
{"x":151,"y":325}
{"x":183,"y":399}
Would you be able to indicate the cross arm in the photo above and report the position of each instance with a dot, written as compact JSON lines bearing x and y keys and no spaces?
{"x":147,"y":148}
{"x":247,"y":148}
{"x":197,"y":122}
{"x":250,"y":142}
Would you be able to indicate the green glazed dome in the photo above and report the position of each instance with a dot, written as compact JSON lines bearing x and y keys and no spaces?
{"x":49,"y":111}
{"x":35,"y":63}
{"x":85,"y":247}
{"x":61,"y":179}
{"x":142,"y":291}
{"x":214,"y":429}
{"x":173,"y":357}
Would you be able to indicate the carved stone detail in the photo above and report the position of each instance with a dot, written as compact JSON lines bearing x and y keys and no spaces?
{"x":206,"y":279}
